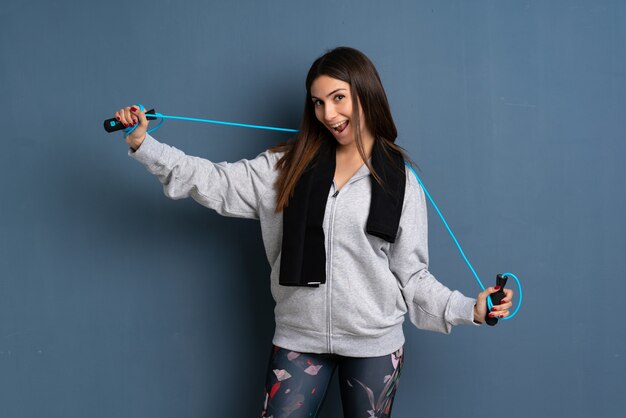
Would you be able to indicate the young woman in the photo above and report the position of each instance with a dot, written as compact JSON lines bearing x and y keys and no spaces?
{"x":345,"y":232}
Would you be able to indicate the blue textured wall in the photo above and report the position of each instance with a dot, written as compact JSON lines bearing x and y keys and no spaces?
{"x":117,"y":302}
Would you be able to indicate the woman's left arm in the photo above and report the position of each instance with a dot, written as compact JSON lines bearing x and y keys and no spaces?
{"x":430,"y":304}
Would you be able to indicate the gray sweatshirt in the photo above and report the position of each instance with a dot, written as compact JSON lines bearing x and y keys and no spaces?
{"x":370,"y":283}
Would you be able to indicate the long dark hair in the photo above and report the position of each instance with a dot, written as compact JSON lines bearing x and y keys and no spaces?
{"x":356,"y":69}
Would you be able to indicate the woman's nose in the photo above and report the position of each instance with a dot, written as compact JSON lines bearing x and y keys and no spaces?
{"x":329,"y":113}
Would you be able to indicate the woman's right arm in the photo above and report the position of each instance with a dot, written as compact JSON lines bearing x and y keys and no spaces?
{"x":231,"y":189}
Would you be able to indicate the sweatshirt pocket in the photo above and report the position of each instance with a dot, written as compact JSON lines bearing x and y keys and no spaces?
{"x":367,"y":305}
{"x":300,"y":308}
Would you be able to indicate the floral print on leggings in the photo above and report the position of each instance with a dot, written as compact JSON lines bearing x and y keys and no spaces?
{"x":296,"y":383}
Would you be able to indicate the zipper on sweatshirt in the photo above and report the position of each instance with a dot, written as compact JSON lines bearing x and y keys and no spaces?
{"x":329,"y":278}
{"x":331,"y":222}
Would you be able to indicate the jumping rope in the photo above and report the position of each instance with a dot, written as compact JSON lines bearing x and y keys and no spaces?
{"x":113,"y":125}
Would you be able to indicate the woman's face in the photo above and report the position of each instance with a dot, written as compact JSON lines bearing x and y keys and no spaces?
{"x":332,"y":100}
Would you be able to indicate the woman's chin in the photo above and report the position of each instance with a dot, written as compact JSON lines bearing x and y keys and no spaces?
{"x":343,"y":138}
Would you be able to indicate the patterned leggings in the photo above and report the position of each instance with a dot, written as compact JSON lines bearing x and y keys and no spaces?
{"x":296,"y":383}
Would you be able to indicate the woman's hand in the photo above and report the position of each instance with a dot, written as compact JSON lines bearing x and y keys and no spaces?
{"x":130,"y":116}
{"x":497,"y":311}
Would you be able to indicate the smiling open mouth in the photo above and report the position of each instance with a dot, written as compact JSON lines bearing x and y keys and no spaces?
{"x":340,"y":127}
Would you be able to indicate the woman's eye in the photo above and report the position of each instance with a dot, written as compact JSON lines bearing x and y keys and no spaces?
{"x":317,"y":102}
{"x":339,"y":97}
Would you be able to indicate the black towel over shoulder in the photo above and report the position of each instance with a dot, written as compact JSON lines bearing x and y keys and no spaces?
{"x":303,"y":254}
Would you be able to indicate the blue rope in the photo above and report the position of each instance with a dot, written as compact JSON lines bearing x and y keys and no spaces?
{"x":480,"y":283}
{"x":217,"y":122}
{"x":456,"y":242}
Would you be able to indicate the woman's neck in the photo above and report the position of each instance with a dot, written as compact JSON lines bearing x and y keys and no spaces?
{"x":350,"y":152}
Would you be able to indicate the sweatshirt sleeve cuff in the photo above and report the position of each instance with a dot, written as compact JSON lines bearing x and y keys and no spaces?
{"x":461,"y":310}
{"x":148,"y":152}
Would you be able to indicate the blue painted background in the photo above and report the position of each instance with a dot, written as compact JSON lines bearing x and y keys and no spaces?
{"x":117,"y":302}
